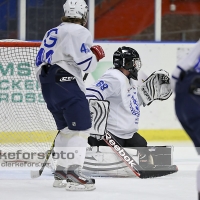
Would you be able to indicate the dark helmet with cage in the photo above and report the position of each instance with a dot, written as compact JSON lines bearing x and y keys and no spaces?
{"x":129,"y":59}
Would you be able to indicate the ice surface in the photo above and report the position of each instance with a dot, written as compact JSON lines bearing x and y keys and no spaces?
{"x":17,"y":184}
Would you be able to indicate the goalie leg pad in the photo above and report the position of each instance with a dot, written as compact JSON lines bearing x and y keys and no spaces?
{"x":99,"y":114}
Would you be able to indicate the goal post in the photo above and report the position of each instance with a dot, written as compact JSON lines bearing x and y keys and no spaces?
{"x":25,"y":122}
{"x":19,"y":44}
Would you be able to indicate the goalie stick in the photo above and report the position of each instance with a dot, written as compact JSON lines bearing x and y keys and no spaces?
{"x":133,"y":165}
{"x":36,"y":174}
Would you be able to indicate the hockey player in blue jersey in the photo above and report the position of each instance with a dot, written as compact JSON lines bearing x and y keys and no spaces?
{"x":186,"y":84}
{"x":66,"y":51}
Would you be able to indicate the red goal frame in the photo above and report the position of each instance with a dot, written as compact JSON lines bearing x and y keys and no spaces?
{"x":20,"y":44}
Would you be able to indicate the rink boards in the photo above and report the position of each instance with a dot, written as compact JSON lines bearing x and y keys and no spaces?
{"x":48,"y":136}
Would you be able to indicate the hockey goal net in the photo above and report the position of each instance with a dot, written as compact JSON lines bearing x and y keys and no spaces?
{"x":25,"y":123}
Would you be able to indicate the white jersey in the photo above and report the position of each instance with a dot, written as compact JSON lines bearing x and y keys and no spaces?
{"x":121,"y":92}
{"x":68,"y":45}
{"x":191,"y":61}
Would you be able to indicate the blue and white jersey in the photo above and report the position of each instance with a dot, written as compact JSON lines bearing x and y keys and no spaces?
{"x":121,"y":92}
{"x":68,"y":45}
{"x":190,"y":61}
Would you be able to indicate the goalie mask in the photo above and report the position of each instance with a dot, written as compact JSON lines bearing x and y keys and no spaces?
{"x":129,"y":59}
{"x":76,"y":9}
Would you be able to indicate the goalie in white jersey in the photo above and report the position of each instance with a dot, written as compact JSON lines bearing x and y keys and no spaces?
{"x":119,"y":86}
{"x":65,"y":52}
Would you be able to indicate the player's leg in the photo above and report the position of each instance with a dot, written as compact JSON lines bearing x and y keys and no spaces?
{"x":187,"y":107}
{"x":71,"y":147}
{"x":49,"y":90}
{"x":70,"y":110}
{"x":187,"y":93}
{"x":136,"y":141}
{"x":93,"y":141}
{"x":189,"y":116}
{"x":73,"y":139}
{"x":140,"y":143}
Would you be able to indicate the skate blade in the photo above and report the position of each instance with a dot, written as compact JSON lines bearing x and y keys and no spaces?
{"x":79,"y":187}
{"x":59,"y":184}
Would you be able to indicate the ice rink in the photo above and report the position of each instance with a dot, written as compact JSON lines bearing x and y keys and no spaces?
{"x":17,"y":184}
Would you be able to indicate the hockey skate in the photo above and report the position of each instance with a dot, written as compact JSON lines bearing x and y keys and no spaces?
{"x":60,"y":177}
{"x":76,"y":181}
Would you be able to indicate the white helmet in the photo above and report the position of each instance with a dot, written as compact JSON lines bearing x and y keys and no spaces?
{"x":76,"y":9}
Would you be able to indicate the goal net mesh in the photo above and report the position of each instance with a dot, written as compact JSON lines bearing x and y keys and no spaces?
{"x":25,"y":122}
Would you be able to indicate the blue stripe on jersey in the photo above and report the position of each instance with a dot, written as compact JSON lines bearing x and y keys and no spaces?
{"x":180,"y":68}
{"x":97,"y":92}
{"x":174,"y":77}
{"x":196,"y":66}
{"x":84,"y":61}
{"x":87,"y":66}
{"x":89,"y":59}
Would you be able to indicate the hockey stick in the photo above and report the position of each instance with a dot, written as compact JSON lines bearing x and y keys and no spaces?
{"x":85,"y":76}
{"x":127,"y":159}
{"x":36,"y":174}
{"x":132,"y":164}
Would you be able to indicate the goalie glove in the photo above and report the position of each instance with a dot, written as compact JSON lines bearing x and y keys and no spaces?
{"x":155,"y":87}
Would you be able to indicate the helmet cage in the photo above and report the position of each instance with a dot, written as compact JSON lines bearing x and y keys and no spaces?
{"x":133,"y":67}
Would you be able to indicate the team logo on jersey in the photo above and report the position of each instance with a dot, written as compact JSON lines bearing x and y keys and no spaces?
{"x":134,"y":107}
{"x":73,"y":123}
{"x":70,"y":78}
{"x":196,"y":91}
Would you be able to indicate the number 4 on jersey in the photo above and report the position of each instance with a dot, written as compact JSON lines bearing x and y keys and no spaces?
{"x":84,"y":48}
